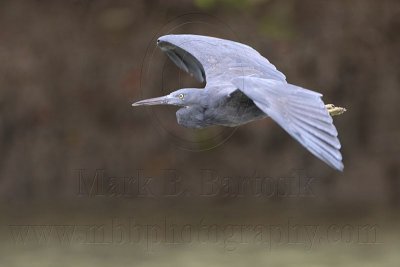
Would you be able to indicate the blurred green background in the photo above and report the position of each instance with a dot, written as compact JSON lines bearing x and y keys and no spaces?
{"x":69,"y":73}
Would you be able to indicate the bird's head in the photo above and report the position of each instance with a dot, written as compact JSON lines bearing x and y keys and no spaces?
{"x":183,"y":97}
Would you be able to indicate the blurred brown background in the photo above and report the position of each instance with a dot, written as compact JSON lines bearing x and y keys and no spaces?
{"x":71,"y":69}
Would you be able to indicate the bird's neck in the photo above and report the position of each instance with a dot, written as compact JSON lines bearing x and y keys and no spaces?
{"x":198,"y":97}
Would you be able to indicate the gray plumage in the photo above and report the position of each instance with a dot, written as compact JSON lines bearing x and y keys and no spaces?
{"x":243,"y":86}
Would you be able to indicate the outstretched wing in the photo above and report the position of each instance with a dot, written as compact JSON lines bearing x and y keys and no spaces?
{"x":300,"y":112}
{"x":216,"y":60}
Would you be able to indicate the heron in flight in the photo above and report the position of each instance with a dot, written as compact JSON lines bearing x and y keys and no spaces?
{"x":243,"y":86}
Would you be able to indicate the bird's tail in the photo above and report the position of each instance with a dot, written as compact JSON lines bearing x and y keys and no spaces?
{"x":300,"y":112}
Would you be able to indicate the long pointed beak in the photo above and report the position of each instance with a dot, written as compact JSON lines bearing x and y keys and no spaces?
{"x":162,"y":100}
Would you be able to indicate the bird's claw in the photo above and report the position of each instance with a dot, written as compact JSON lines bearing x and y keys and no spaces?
{"x":334,"y":111}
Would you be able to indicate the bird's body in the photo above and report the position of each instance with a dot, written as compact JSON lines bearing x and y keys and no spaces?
{"x":243,"y":86}
{"x":229,"y":110}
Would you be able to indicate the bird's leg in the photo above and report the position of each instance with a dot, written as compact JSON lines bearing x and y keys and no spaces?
{"x":333,"y":110}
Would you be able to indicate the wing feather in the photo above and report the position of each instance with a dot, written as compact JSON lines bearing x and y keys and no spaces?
{"x":216,"y":60}
{"x":300,"y":112}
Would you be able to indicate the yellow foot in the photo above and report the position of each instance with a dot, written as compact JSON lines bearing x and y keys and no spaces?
{"x":333,"y":110}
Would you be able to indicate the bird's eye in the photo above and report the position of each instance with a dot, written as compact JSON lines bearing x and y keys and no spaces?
{"x":181,"y":96}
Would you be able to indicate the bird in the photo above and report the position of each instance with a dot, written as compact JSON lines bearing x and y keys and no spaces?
{"x":243,"y":86}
